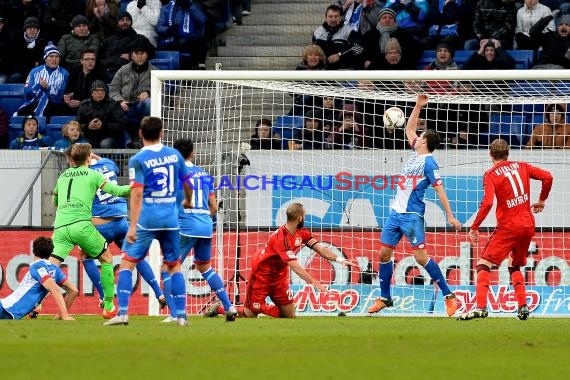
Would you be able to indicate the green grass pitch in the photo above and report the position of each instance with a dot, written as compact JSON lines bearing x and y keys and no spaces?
{"x":306,"y":348}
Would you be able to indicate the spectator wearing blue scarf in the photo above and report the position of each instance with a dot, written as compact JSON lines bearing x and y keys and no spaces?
{"x":45,"y":86}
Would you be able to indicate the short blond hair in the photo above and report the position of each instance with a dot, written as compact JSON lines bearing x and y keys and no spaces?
{"x":65,"y":128}
{"x":314,"y":50}
{"x":499,"y":149}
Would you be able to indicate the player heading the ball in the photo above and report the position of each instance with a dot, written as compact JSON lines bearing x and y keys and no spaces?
{"x":407,"y":213}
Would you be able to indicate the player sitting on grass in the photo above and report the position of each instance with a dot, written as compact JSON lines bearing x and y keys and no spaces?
{"x":270,"y":269}
{"x":42,"y":278}
{"x":407,"y":214}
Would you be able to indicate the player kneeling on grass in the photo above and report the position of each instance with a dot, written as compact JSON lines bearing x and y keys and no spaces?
{"x":509,"y":182}
{"x":408,"y":209}
{"x":42,"y":278}
{"x":270,"y":269}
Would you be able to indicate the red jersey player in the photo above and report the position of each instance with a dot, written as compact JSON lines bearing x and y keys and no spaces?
{"x":270,"y":269}
{"x":509,"y":182}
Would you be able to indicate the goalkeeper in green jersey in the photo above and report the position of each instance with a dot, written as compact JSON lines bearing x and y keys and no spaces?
{"x":73,"y":196}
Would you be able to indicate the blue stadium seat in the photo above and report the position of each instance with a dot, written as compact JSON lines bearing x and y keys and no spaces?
{"x":54,"y":132}
{"x":14,"y":130}
{"x":511,"y":128}
{"x":524,"y":59}
{"x":11,"y":97}
{"x":285,"y":126}
{"x":429,"y":55}
{"x":17,"y":120}
{"x":63,"y":119}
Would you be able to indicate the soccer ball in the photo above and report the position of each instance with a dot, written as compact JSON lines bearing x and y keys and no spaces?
{"x":394,"y":117}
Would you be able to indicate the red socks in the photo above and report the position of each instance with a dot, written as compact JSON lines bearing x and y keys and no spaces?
{"x":482,"y":287}
{"x":517,"y":279}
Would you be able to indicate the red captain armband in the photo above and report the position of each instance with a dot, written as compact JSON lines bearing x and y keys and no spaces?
{"x":413,"y":143}
{"x":134,"y":184}
{"x":438,"y":182}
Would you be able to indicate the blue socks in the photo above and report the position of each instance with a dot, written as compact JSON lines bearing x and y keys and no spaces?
{"x":435,"y":273}
{"x":385,"y":272}
{"x":217,"y":286}
{"x":178,"y":288}
{"x":93,"y":273}
{"x":143,"y":267}
{"x":124,"y":289}
{"x":167,"y":287}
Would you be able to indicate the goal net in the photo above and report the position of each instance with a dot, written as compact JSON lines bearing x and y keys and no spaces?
{"x":323,"y":143}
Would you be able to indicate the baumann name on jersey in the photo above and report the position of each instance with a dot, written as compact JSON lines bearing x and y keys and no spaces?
{"x":77,"y":173}
{"x":151,"y":163}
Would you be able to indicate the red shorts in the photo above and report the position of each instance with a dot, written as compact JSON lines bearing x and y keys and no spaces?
{"x":258,"y":290}
{"x":505,"y":242}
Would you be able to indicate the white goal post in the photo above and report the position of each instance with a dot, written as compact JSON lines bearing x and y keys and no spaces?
{"x":348,"y":177}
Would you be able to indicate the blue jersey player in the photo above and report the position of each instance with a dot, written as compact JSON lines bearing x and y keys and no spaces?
{"x":42,"y":278}
{"x":110,"y":219}
{"x":407,"y":214}
{"x":156,"y":173}
{"x":196,"y":231}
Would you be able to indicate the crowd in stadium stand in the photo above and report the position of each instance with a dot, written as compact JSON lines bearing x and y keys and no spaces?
{"x":63,"y":47}
{"x":91,"y":59}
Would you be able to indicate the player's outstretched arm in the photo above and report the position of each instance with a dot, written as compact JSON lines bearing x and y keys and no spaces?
{"x":447,"y":207}
{"x":117,"y":190}
{"x":331,"y":256}
{"x":297,"y":268}
{"x":135,"y":203}
{"x":52,"y":287}
{"x":412,"y":125}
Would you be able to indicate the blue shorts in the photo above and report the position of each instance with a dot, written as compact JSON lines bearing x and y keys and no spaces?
{"x":397,"y":225}
{"x":114,"y":231}
{"x":4,"y":314}
{"x":202,"y":248}
{"x":169,"y":243}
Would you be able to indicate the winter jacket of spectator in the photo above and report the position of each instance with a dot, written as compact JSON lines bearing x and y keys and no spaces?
{"x":33,"y":92}
{"x":104,"y":26}
{"x":444,"y":17}
{"x":58,"y":16}
{"x":496,"y":19}
{"x":64,"y":143}
{"x":79,"y":83}
{"x":145,"y":19}
{"x":28,"y":58}
{"x":554,"y":46}
{"x":334,"y":40}
{"x":39,"y":141}
{"x":71,"y":46}
{"x":411,"y":49}
{"x":265,"y":144}
{"x":6,"y":51}
{"x":15,"y":12}
{"x":412,"y":15}
{"x":502,"y":61}
{"x":130,"y":81}
{"x":110,"y":114}
{"x":113,"y":46}
{"x":176,"y":25}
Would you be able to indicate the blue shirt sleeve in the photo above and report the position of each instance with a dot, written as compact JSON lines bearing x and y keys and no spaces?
{"x":431,"y":171}
{"x":60,"y":277}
